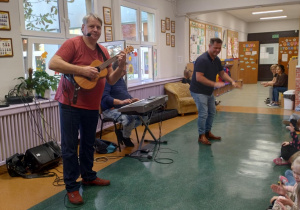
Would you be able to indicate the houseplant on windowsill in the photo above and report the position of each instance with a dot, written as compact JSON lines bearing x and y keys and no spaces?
{"x":42,"y":81}
{"x":22,"y":92}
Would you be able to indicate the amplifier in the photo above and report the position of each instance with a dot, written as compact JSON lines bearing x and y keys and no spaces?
{"x":43,"y":157}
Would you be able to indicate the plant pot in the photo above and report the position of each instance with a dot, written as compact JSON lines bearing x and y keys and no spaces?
{"x":47,"y":94}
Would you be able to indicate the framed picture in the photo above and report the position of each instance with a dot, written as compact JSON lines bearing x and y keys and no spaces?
{"x":4,"y":20}
{"x":167,"y":24}
{"x":168,"y":39}
{"x":172,"y":40}
{"x":163,"y":26}
{"x":4,"y":0}
{"x":173,"y":26}
{"x":108,"y":33}
{"x":6,"y":48}
{"x":107,"y":15}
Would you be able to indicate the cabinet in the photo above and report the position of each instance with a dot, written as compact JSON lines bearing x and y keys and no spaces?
{"x":233,"y":65}
{"x":292,"y":74}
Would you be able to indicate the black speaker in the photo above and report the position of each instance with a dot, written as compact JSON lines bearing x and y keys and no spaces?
{"x":43,"y":157}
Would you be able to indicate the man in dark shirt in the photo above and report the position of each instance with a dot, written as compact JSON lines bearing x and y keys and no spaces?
{"x":206,"y":68}
{"x":114,"y":97}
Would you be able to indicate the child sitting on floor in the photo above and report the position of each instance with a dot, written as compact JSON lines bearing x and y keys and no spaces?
{"x":289,"y":148}
{"x":289,"y":195}
{"x":187,"y":76}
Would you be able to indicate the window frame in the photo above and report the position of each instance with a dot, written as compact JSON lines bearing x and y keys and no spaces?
{"x":64,"y":22}
{"x":139,"y":43}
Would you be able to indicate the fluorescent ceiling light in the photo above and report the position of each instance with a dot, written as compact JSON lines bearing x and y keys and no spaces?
{"x":276,"y":17}
{"x":263,"y":12}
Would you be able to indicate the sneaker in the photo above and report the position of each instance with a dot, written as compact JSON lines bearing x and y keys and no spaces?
{"x":75,"y":198}
{"x":96,"y":182}
{"x":283,"y":180}
{"x":217,"y":102}
{"x":128,"y":142}
{"x":270,"y":104}
{"x":275,"y":104}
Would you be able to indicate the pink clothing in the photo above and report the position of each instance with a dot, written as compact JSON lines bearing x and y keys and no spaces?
{"x":76,"y":52}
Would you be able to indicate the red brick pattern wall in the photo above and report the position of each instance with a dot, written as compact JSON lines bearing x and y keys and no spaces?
{"x":297,"y":93}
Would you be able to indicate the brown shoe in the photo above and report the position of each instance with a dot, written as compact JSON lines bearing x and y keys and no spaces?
{"x":97,"y":182}
{"x":75,"y":197}
{"x":211,"y":136}
{"x":202,"y":139}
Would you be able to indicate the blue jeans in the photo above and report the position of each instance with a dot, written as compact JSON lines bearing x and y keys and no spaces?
{"x":289,"y":175}
{"x":129,"y":122}
{"x":206,"y":111}
{"x":71,"y":120}
{"x":276,"y":91}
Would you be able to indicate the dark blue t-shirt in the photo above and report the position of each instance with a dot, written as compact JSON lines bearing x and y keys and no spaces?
{"x":111,"y":92}
{"x":210,"y":68}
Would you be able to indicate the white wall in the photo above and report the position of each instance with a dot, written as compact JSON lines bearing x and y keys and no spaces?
{"x":196,"y":6}
{"x":225,"y":21}
{"x":270,"y":26}
{"x":11,"y":67}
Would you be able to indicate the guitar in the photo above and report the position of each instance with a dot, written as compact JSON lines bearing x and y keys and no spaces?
{"x":87,"y":83}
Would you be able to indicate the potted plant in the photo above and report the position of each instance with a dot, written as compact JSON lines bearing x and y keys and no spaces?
{"x":22,"y":92}
{"x":42,"y":81}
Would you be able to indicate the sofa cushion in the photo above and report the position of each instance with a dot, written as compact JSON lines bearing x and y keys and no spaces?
{"x":182,"y":90}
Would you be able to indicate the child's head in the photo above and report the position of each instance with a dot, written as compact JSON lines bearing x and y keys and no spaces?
{"x":187,"y":73}
{"x":273,"y":68}
{"x":296,"y":169}
{"x":293,"y":122}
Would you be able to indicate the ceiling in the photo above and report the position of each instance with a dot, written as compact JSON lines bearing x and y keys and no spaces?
{"x":291,"y":11}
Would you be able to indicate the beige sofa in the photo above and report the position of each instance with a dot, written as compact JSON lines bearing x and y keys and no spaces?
{"x":179,"y":97}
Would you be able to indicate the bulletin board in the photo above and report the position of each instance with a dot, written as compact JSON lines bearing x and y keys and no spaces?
{"x":232,"y":44}
{"x":212,"y":32}
{"x":197,"y":40}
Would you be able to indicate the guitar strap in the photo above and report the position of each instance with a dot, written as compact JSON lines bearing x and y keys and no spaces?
{"x":71,"y":78}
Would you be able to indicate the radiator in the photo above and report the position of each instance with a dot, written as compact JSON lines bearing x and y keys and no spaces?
{"x":24,"y":126}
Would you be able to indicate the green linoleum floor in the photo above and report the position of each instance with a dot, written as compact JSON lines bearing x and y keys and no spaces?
{"x":235,"y":173}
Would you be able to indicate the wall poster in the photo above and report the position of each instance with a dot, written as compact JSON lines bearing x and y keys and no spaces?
{"x":232,"y":44}
{"x":212,"y":32}
{"x":197,"y":40}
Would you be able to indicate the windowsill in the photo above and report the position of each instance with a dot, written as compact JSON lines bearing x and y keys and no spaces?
{"x":137,"y":85}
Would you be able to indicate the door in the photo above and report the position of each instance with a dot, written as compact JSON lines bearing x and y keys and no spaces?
{"x":248,"y":54}
{"x":288,"y":47}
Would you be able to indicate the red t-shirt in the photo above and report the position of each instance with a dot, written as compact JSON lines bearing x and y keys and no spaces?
{"x":76,"y":52}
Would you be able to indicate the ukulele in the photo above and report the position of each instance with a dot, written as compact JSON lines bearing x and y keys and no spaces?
{"x":87,"y":83}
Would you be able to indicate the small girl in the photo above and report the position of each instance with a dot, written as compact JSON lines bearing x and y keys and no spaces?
{"x":187,"y":76}
{"x":284,"y":201}
{"x":289,"y":148}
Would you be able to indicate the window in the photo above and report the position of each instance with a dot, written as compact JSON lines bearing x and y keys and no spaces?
{"x":46,"y":24}
{"x":53,"y":18}
{"x":138,"y":29}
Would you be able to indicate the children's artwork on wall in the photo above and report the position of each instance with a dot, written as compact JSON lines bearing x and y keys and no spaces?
{"x":232,"y":44}
{"x":173,"y":41}
{"x":212,"y":32}
{"x":197,"y":40}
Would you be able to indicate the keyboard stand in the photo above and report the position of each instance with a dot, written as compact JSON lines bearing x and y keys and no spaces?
{"x":141,"y":152}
